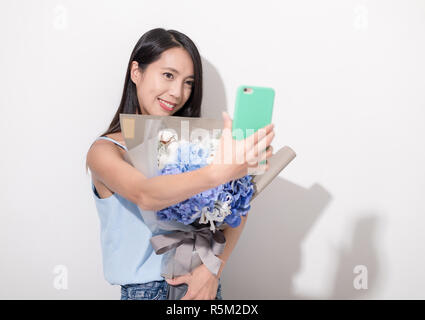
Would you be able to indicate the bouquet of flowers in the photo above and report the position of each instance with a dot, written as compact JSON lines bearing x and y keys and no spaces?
{"x":189,"y":233}
{"x":206,"y":212}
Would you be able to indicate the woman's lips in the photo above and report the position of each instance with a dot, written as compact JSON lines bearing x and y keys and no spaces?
{"x":165,"y":106}
{"x":169,"y":102}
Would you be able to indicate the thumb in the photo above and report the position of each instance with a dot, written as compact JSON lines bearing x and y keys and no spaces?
{"x":227,"y":121}
{"x":177,"y":281}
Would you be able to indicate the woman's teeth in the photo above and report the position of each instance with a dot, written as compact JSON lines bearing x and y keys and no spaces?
{"x":170,"y":106}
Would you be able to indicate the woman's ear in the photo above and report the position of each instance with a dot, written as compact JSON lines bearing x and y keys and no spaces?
{"x":135,"y":72}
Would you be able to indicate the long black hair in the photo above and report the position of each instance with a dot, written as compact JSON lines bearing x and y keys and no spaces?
{"x":147,"y":50}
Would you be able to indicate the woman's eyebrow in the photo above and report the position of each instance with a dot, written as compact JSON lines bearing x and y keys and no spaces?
{"x":174,"y":70}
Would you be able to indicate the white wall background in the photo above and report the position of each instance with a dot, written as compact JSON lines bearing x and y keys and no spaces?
{"x":349,"y":79}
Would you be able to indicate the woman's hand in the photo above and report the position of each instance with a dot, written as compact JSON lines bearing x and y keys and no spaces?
{"x":237,"y":158}
{"x":202,"y":284}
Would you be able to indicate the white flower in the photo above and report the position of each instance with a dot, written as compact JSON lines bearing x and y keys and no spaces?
{"x":165,"y":136}
{"x":220,"y":212}
{"x":167,"y":147}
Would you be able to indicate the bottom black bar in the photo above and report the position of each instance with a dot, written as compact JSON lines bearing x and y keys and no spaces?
{"x":236,"y":309}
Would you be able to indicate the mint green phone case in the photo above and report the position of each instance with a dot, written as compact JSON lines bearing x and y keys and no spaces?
{"x":253,"y":110}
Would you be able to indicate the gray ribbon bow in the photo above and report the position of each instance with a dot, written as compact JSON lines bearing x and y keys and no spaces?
{"x":206,"y":244}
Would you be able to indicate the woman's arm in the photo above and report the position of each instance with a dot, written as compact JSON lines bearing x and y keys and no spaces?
{"x":163,"y":191}
{"x":107,"y":164}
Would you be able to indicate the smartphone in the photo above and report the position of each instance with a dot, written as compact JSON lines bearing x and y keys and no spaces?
{"x":253,"y":110}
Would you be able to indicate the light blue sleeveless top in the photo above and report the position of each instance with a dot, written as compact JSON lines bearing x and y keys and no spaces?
{"x":127,"y":254}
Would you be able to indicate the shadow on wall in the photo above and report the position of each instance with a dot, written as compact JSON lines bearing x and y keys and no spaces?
{"x":270,"y":245}
{"x":361,"y":252}
{"x":214,"y":95}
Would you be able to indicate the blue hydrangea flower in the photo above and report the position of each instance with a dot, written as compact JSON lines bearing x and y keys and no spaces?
{"x":190,"y":157}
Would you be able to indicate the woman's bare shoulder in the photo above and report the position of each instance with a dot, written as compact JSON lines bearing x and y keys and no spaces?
{"x":111,"y":172}
{"x":114,"y":136}
{"x":101,"y":153}
{"x":103,"y":150}
{"x":117,"y":136}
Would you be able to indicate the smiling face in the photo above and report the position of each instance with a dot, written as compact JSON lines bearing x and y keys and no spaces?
{"x":165,"y":86}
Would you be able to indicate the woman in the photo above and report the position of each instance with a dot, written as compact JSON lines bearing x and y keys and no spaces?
{"x":164,"y":77}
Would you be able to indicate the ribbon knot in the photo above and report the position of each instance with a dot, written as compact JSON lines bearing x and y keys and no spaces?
{"x":206,"y":244}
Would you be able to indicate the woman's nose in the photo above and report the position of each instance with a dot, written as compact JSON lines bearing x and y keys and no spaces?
{"x":176,"y":90}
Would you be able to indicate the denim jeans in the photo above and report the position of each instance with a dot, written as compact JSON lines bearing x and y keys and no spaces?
{"x":155,"y":290}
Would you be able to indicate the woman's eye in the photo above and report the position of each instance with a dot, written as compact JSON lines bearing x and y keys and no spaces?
{"x":166,"y":73}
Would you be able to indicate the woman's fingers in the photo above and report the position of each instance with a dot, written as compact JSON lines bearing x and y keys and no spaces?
{"x":253,"y":139}
{"x":245,"y":154}
{"x":227,"y":121}
{"x":270,"y":147}
{"x":269,"y":151}
{"x":258,"y":168}
{"x":178,"y":280}
{"x":263,"y":143}
{"x":264,"y":156}
{"x":253,"y":153}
